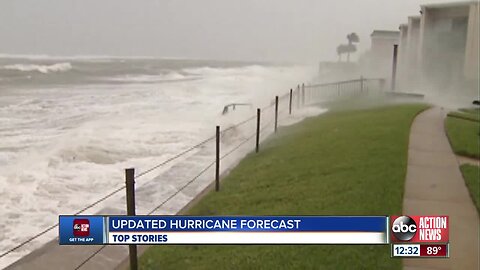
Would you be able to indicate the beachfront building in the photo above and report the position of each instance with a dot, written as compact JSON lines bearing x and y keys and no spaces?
{"x":448,"y":45}
{"x":381,"y":52}
{"x":411,"y":52}
{"x":403,"y":56}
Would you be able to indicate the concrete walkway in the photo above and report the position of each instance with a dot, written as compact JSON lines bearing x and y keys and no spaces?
{"x":435,"y":186}
{"x":467,"y":160}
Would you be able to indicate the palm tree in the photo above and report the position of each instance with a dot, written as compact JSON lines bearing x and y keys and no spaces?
{"x":348,"y":48}
{"x":352,"y":38}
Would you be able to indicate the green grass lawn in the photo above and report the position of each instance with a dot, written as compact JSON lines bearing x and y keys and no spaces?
{"x":471,"y":174}
{"x":467,"y":115}
{"x":340,"y":163}
{"x":464,"y":136}
{"x":475,"y":111}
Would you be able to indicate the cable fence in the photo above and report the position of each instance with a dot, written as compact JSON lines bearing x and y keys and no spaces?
{"x":238,"y":124}
{"x":248,"y":138}
{"x":291,"y":101}
{"x":174,"y":157}
{"x":56,"y":224}
{"x":102,"y":199}
{"x":114,"y":192}
{"x":178,"y":191}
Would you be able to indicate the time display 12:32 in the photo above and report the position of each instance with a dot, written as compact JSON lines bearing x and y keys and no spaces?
{"x":406,"y":250}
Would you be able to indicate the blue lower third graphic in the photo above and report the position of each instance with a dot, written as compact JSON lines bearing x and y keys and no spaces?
{"x":81,"y":230}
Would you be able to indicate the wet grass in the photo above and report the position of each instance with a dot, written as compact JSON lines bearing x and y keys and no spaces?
{"x":340,"y":163}
{"x":464,"y":136}
{"x":471,"y":174}
{"x":471,"y":115}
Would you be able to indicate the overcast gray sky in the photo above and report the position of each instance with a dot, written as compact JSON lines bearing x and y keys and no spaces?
{"x":279,"y":30}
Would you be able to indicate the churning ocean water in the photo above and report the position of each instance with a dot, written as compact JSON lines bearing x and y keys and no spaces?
{"x":70,"y":126}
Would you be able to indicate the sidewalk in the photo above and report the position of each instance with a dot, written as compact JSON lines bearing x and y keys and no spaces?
{"x":435,"y":186}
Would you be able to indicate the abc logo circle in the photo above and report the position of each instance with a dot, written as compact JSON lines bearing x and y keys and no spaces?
{"x":404,"y":228}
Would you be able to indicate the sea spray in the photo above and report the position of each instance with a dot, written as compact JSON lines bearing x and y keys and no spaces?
{"x":58,"y":67}
{"x":66,"y":141}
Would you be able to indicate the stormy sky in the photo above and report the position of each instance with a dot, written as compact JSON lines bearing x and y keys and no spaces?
{"x":260,"y":30}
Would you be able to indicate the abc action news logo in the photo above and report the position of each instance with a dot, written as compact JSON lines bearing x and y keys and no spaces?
{"x":81,"y":227}
{"x":419,"y":229}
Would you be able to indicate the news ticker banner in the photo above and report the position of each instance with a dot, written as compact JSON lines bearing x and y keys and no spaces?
{"x":81,"y":230}
{"x":121,"y":230}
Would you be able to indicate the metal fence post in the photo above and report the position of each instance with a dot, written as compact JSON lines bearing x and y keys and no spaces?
{"x":276,"y":113}
{"x":130,"y":187}
{"x":217,"y":160}
{"x":290,"y":103}
{"x":303,"y":94}
{"x":257,"y":144}
{"x":298,"y":96}
{"x":394,"y":67}
{"x":361,"y":84}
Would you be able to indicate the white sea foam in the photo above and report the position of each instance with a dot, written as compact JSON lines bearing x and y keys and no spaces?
{"x":167,"y":77}
{"x":58,"y":67}
{"x":63,"y":148}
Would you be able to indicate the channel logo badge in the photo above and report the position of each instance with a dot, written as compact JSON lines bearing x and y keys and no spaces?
{"x":419,"y":229}
{"x":404,"y":228}
{"x":81,"y":227}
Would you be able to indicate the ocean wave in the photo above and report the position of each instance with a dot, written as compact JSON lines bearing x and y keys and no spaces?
{"x":166,"y":77}
{"x":58,"y":67}
{"x":227,"y":71}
